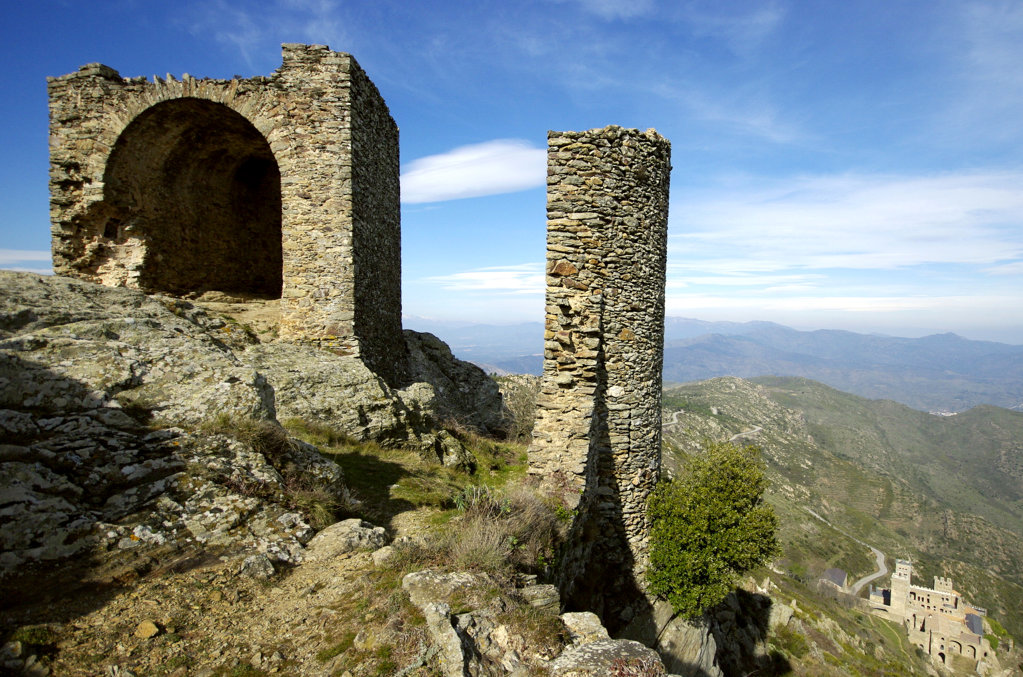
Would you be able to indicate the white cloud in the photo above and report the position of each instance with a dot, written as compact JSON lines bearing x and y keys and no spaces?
{"x":526,"y":278}
{"x":1014,"y":268}
{"x":26,"y":261}
{"x":489,"y":168}
{"x":10,"y":256}
{"x":852,"y":222}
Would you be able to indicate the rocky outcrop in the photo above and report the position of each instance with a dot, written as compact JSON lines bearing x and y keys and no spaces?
{"x":687,"y":647}
{"x":120,"y":415}
{"x":485,"y":640}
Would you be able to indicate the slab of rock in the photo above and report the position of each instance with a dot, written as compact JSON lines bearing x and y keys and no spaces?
{"x":147,"y":629}
{"x":428,"y":585}
{"x":584,"y":627}
{"x":596,"y":659}
{"x":780,"y":614}
{"x":542,"y":596}
{"x":383,"y":555}
{"x":344,"y":537}
{"x":451,"y":656}
{"x":687,"y":648}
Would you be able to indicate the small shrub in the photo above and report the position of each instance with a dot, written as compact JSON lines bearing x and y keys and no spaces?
{"x":790,"y":641}
{"x":709,"y":526}
{"x":265,"y":437}
{"x":520,"y":395}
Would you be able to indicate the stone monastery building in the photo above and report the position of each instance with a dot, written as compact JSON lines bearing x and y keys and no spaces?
{"x":937,"y":619}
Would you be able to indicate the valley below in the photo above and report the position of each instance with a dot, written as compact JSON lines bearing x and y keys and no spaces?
{"x":942,"y":491}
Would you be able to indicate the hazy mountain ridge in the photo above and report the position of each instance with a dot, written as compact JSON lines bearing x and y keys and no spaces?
{"x":941,"y":373}
{"x":879,"y":470}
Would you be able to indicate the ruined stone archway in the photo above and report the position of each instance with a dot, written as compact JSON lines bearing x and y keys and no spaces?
{"x":281,"y":185}
{"x":192,"y":193}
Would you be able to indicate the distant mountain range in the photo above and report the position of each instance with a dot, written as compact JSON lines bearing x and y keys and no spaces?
{"x":939,"y":373}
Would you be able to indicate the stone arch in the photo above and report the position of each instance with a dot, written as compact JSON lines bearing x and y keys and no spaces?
{"x":168,"y":185}
{"x":192,"y":191}
{"x":955,"y":646}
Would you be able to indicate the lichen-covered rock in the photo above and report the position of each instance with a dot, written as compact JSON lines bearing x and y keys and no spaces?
{"x":428,"y":585}
{"x":463,"y":392}
{"x":336,"y":390}
{"x":257,"y":566}
{"x":344,"y":537}
{"x":489,"y":643}
{"x":598,"y":659}
{"x":584,"y":627}
{"x":85,"y":371}
{"x":687,"y":648}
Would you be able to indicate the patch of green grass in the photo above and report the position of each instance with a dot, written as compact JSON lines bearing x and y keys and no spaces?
{"x":336,"y":649}
{"x":36,"y":635}
{"x":316,"y":433}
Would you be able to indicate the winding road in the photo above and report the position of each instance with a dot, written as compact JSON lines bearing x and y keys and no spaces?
{"x":745,"y":433}
{"x":882,"y":568}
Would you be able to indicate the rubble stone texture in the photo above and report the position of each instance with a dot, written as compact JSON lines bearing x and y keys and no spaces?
{"x":597,"y":435}
{"x":281,"y":186}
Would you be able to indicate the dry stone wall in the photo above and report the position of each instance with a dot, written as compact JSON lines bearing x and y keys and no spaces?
{"x":597,"y":435}
{"x":282,"y":186}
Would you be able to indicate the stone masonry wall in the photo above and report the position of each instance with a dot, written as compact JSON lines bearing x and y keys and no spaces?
{"x":271,"y":186}
{"x":597,"y":435}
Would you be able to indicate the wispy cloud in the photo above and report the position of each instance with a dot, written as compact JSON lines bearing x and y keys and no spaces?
{"x":981,"y":81}
{"x":26,"y":260}
{"x":526,"y":278}
{"x":747,"y":113}
{"x":852,"y":222}
{"x":490,"y":168}
{"x":741,"y":32}
{"x":616,"y":9}
{"x":249,"y":28}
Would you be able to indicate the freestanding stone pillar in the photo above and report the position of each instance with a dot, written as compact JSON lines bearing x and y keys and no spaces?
{"x":597,"y":435}
{"x":282,"y":186}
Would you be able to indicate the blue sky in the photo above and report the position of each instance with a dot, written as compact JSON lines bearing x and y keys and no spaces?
{"x":853,"y":165}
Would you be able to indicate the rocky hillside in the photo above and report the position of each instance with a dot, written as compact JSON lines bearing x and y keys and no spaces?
{"x":864,"y":467}
{"x":182,"y":494}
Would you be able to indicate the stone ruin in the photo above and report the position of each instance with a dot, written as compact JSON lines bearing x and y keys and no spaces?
{"x":287,"y":187}
{"x":597,"y":435}
{"x":275,"y":187}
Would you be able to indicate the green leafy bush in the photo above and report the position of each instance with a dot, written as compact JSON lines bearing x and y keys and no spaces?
{"x":708,"y":527}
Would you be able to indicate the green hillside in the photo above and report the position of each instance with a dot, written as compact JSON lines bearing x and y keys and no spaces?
{"x":943,"y":491}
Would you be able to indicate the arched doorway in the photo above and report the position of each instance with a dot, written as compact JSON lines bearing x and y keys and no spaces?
{"x":195,"y":186}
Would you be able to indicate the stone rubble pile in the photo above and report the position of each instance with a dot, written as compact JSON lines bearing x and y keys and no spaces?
{"x":481,"y":642}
